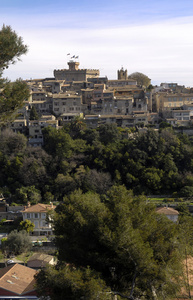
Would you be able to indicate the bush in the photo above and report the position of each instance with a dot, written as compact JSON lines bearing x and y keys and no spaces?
{"x":17,"y":242}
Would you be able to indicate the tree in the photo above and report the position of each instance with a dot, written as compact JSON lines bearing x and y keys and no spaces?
{"x":141,"y":78}
{"x":26,"y":225}
{"x":76,"y":126}
{"x":122,"y":240}
{"x":186,"y":191}
{"x":17,"y":242}
{"x":57,"y":142}
{"x":12,"y":143}
{"x":98,"y":182}
{"x":11,"y":47}
{"x":28,"y":194}
{"x":33,"y":114}
{"x":12,"y":94}
{"x":109,"y":133}
{"x":78,"y":284}
{"x":186,"y":236}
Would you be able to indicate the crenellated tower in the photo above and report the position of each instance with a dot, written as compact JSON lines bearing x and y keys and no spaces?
{"x":122,"y":74}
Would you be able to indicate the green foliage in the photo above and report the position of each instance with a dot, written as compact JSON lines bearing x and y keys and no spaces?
{"x":164,"y":124}
{"x":17,"y":242}
{"x":12,"y":143}
{"x":71,"y":283}
{"x":33,"y":114}
{"x":183,"y":209}
{"x":121,"y":238}
{"x":57,"y":142}
{"x":28,"y":194}
{"x":77,"y":125}
{"x":109,"y":133}
{"x":141,"y":79}
{"x":152,"y":163}
{"x":12,"y":94}
{"x":11,"y":47}
{"x":187,"y":191}
{"x":26,"y":225}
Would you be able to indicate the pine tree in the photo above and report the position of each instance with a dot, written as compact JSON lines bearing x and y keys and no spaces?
{"x":12,"y":94}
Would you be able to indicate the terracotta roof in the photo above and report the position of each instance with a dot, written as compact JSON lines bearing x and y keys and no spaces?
{"x":40,"y":207}
{"x":167,"y":211}
{"x":41,"y":257}
{"x":17,"y":279}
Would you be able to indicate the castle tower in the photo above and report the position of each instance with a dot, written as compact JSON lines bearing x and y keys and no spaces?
{"x":73,"y":73}
{"x":73,"y":66}
{"x":122,"y":74}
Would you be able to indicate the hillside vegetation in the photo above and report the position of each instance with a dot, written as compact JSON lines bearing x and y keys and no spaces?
{"x":151,"y":163}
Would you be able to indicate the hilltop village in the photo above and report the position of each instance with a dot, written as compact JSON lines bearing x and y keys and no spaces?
{"x":76,"y":92}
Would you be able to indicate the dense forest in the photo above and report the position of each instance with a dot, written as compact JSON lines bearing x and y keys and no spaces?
{"x":75,"y":157}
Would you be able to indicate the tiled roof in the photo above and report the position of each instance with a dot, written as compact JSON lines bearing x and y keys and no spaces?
{"x":40,"y":207}
{"x":41,"y":256}
{"x":167,"y":211}
{"x":17,"y":279}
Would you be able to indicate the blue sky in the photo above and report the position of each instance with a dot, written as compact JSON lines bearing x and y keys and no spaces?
{"x":152,"y":37}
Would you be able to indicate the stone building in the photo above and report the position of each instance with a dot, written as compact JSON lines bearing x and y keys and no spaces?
{"x":74,"y":73}
{"x":67,"y":103}
{"x":166,"y":101}
{"x":122,"y":74}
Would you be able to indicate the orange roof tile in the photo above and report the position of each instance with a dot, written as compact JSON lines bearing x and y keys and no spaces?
{"x":40,"y":207}
{"x":17,"y":279}
{"x":167,"y":211}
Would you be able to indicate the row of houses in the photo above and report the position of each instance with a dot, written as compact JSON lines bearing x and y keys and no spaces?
{"x":81,"y":92}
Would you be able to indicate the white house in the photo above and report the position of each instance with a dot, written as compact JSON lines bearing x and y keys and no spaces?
{"x":37,"y":214}
{"x":170,"y":213}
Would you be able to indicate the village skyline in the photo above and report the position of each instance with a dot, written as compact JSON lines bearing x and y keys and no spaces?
{"x":153,"y":38}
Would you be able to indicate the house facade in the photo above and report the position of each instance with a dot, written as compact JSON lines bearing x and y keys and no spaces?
{"x":170,"y":213}
{"x":37,"y":214}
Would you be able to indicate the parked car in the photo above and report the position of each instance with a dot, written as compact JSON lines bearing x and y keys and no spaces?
{"x":10,"y":261}
{"x":37,"y":243}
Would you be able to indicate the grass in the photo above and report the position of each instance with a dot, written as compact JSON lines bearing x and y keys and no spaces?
{"x":24,"y":256}
{"x":156,"y":199}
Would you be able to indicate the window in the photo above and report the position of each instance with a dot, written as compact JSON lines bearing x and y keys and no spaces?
{"x":36,"y":223}
{"x":36,"y":215}
{"x":28,"y":215}
{"x":43,"y":215}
